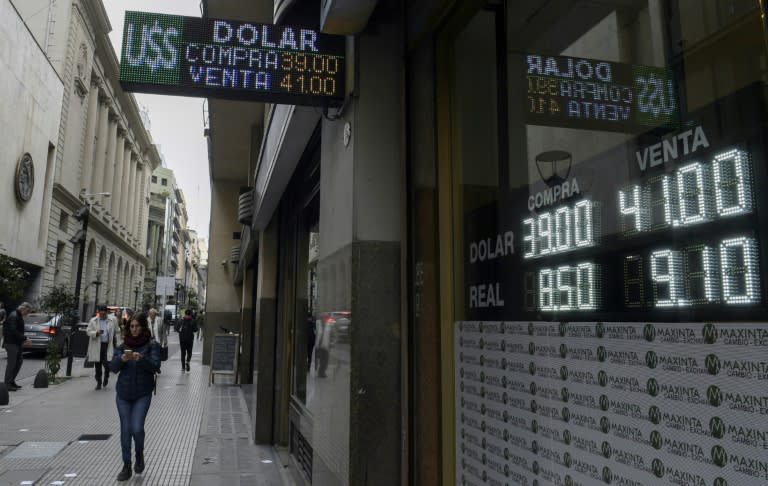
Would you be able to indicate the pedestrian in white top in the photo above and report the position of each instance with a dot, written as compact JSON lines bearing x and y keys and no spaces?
{"x":157,"y":328}
{"x":101,"y":331}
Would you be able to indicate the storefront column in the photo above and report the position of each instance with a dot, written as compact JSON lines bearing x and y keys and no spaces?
{"x":360,"y":261}
{"x":246,"y":323}
{"x":265,"y":333}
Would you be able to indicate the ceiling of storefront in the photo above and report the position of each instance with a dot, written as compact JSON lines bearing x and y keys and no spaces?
{"x":231,"y":125}
{"x":232,"y":122}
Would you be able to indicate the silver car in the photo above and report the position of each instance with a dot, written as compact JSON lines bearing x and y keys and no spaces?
{"x":40,"y":329}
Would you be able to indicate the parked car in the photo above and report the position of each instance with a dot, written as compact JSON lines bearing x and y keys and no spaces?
{"x":170,"y":312}
{"x":340,"y":324}
{"x":41,"y":329}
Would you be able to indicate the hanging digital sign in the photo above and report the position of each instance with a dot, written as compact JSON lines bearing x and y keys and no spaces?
{"x":576,"y":92}
{"x":189,"y":56}
{"x":660,"y":228}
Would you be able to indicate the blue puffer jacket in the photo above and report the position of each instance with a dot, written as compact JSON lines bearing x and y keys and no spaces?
{"x":137,"y":378}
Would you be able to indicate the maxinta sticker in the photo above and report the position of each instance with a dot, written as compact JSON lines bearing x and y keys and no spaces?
{"x":743,"y":336}
{"x":750,"y":436}
{"x":624,"y":404}
{"x":740,"y":368}
{"x":685,"y":478}
{"x":745,"y":465}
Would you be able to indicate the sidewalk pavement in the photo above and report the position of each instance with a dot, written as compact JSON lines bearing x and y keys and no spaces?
{"x":196,"y":435}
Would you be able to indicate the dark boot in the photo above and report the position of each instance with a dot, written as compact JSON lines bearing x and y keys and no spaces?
{"x":125,"y":473}
{"x":139,"y":467}
{"x":106,"y":380}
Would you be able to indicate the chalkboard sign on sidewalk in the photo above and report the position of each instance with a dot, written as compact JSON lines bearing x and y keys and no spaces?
{"x":224,"y":355}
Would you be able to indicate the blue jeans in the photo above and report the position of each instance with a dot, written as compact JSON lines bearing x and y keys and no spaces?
{"x":132,"y":417}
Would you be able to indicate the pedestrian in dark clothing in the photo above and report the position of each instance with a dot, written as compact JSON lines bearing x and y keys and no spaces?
{"x":3,"y":315}
{"x":137,"y":360}
{"x":187,"y":330}
{"x":125,"y":321}
{"x":13,"y":335}
{"x":310,"y":339}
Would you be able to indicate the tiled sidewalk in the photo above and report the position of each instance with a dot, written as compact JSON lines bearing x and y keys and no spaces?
{"x":196,"y":434}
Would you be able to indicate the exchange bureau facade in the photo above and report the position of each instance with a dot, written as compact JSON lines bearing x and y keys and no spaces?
{"x":598,"y":190}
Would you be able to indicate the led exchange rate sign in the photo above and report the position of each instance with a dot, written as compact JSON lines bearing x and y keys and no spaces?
{"x":176,"y":55}
{"x":584,"y":93}
{"x":665,"y":226}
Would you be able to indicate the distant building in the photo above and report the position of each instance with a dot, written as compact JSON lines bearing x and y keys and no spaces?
{"x":197,"y":275}
{"x":30,"y":119}
{"x":162,"y":199}
{"x":172,"y":248}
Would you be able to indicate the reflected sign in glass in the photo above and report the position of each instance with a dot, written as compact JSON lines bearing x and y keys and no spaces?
{"x":189,"y":56}
{"x":585,"y":93}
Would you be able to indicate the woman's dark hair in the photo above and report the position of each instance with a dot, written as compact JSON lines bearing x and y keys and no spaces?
{"x":141,"y":318}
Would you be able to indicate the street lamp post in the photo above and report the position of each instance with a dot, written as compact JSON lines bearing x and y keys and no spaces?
{"x":135,"y":297}
{"x":97,"y":283}
{"x":176,"y":300}
{"x":82,"y":214}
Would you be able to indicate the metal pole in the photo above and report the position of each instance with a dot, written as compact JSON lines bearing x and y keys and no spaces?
{"x":167,"y":237}
{"x":97,"y":283}
{"x":81,"y":257}
{"x":186,"y":269}
{"x":79,"y":282}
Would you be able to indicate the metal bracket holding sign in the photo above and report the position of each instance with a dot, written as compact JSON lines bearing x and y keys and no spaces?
{"x":225,"y":356}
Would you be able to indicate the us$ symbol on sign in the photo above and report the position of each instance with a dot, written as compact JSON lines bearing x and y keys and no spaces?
{"x":151,"y":47}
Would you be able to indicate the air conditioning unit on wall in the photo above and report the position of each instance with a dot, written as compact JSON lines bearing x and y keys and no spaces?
{"x":345,"y":16}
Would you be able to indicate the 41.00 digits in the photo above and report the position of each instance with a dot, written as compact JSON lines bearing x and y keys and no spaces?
{"x":308,"y":84}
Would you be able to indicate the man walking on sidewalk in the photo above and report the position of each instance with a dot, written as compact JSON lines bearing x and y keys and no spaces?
{"x":187,"y":331}
{"x":101,"y":330}
{"x":13,"y":334}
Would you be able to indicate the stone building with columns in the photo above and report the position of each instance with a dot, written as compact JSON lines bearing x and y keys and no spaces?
{"x":104,"y":157}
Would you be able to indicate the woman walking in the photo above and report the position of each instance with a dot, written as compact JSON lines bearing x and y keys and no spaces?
{"x":137,"y":360}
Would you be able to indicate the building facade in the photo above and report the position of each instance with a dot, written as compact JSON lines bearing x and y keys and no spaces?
{"x":195,"y":286}
{"x":163,"y":235}
{"x":30,"y":115}
{"x":104,"y":158}
{"x":529,"y":248}
{"x":183,"y":256}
